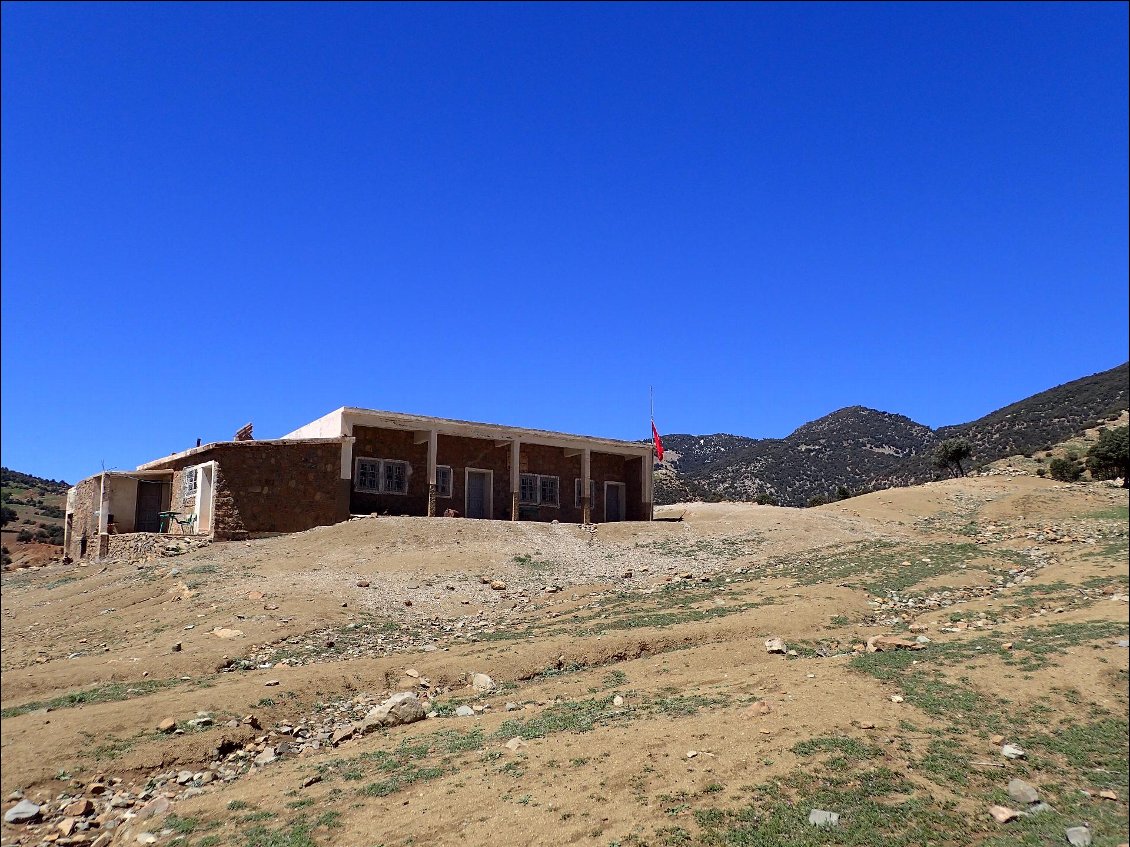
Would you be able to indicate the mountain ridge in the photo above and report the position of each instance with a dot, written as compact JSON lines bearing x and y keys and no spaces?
{"x":858,"y":448}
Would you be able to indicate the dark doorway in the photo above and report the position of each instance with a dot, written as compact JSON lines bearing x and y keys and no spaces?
{"x":149,"y":497}
{"x":478,"y":494}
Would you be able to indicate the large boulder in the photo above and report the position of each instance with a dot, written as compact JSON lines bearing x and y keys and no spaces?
{"x":482,"y":682}
{"x":24,"y":811}
{"x":402,"y":707}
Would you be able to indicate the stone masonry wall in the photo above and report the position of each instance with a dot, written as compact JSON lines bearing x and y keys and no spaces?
{"x":83,"y":520}
{"x":269,"y":487}
{"x":460,"y":453}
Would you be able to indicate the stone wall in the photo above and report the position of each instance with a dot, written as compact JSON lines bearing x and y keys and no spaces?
{"x":262,"y":487}
{"x":460,"y":453}
{"x":83,"y":522}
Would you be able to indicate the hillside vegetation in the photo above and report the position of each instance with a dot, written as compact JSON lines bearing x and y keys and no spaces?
{"x":33,"y":512}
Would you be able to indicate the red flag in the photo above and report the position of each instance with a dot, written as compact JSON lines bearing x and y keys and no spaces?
{"x":658,"y":442}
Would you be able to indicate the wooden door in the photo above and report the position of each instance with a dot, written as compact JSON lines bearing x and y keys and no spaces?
{"x":613,"y":501}
{"x":148,"y":517}
{"x":478,"y":494}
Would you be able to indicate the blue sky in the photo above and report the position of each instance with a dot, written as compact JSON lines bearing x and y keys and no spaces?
{"x":527,"y":214}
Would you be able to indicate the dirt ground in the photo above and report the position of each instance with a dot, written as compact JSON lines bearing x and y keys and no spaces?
{"x":631,"y":664}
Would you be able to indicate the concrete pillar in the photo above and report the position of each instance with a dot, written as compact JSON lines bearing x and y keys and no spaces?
{"x":648,"y":486}
{"x":586,"y":486}
{"x":515,"y":477}
{"x":433,"y":444}
{"x":103,"y":547}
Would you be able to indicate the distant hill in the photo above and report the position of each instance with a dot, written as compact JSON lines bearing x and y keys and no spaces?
{"x":34,"y":510}
{"x":14,"y":479}
{"x":857,"y":448}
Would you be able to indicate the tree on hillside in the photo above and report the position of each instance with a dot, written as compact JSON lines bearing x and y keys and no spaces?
{"x":949,"y":454}
{"x":1110,"y":457}
{"x":8,"y":515}
{"x":1065,"y":470}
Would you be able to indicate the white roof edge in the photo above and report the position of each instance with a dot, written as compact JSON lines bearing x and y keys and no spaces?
{"x":449,"y":426}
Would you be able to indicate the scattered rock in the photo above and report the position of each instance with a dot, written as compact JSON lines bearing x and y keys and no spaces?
{"x":1003,"y":814}
{"x":24,"y":811}
{"x":361,"y":583}
{"x":465,"y":712}
{"x":997,"y":739}
{"x":482,"y":682}
{"x":79,"y":808}
{"x":515,"y":744}
{"x":1108,"y":794}
{"x":1078,"y":836}
{"x":1011,"y":751}
{"x":880,"y":643}
{"x":819,"y":817}
{"x":343,"y":733}
{"x":267,"y":757}
{"x":896,"y":698}
{"x":177,"y":647}
{"x":775,"y":645}
{"x":401,"y":708}
{"x":167,"y":725}
{"x":156,"y":806}
{"x":512,"y":707}
{"x":146,"y":838}
{"x":223,"y":632}
{"x":760,"y":708}
{"x":1023,"y":792}
{"x":412,"y":672}
{"x":271,"y":683}
{"x":617,"y":701}
{"x":498,"y":585}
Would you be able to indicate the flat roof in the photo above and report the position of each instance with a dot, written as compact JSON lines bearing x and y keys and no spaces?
{"x":204,"y":448}
{"x":477,"y":429}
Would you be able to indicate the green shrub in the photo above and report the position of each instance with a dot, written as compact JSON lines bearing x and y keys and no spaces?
{"x":1065,"y":470}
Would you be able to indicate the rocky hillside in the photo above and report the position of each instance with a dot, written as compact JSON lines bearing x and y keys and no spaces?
{"x":857,"y":449}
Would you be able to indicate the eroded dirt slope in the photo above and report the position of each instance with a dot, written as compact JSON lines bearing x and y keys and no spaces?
{"x":633,"y":701}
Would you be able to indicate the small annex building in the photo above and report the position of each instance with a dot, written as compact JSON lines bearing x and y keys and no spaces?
{"x":361,"y":461}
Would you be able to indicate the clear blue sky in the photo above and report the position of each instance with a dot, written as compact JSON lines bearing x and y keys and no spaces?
{"x":528,"y":214}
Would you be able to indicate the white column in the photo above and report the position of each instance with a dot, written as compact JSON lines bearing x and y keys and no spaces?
{"x":515,"y":477}
{"x":104,"y":507}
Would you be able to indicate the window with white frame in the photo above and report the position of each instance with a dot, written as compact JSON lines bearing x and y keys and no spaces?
{"x":538,"y":490}
{"x":577,"y":492}
{"x":443,"y":481}
{"x":189,"y":483}
{"x":528,"y":489}
{"x":381,"y":476}
{"x":549,"y":491}
{"x":368,"y":476}
{"x":394,"y":477}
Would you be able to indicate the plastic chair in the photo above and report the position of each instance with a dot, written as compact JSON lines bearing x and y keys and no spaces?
{"x":188,"y":522}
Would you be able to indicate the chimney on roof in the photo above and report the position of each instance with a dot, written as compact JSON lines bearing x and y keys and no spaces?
{"x":197,"y":442}
{"x":244,"y":434}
